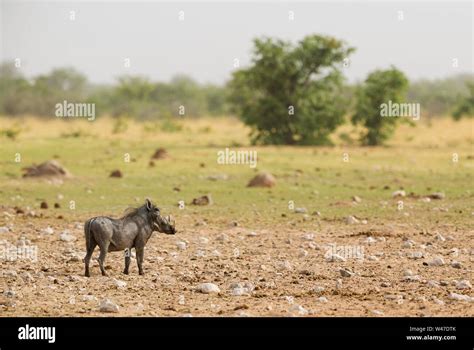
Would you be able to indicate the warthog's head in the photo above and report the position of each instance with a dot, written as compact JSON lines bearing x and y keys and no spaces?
{"x":160,"y":223}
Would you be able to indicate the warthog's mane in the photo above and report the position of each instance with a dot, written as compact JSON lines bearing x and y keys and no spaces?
{"x":131,"y":212}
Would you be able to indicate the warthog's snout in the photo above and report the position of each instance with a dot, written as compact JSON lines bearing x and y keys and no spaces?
{"x":166,"y":225}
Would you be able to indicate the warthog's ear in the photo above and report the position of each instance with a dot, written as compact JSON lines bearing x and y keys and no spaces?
{"x":149,"y":205}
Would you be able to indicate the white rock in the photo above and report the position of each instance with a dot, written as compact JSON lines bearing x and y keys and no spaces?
{"x":351,"y":220}
{"x":440,"y":238}
{"x":181,"y":245}
{"x":323,"y":299}
{"x":308,"y":236}
{"x":67,"y":237}
{"x":4,"y":229}
{"x":377,"y":312}
{"x":241,"y":288}
{"x":298,"y":309}
{"x":106,"y":305}
{"x":252,"y":234}
{"x":461,"y":297}
{"x":433,"y":284}
{"x":300,"y":210}
{"x":415,"y":255}
{"x":181,"y":300}
{"x":119,"y":283}
{"x":284,"y":265}
{"x":407,"y":273}
{"x":203,"y":240}
{"x":370,"y":240}
{"x":438,"y":301}
{"x":463,"y":284}
{"x":47,"y":231}
{"x":399,"y":193}
{"x":372,"y":258}
{"x":319,"y":289}
{"x":208,"y":288}
{"x":438,"y":261}
{"x":408,"y":244}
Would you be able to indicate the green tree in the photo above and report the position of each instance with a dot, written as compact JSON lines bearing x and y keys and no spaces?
{"x":380,"y":87}
{"x":466,"y":106}
{"x":291,"y":94}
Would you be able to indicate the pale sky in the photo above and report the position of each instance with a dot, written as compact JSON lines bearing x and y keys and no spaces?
{"x":204,"y":45}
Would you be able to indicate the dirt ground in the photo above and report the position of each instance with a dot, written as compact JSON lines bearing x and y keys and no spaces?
{"x":275,"y":271}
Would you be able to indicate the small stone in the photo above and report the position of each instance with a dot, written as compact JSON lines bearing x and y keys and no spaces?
{"x":438,"y":261}
{"x":463,"y":284}
{"x":346,"y":273}
{"x":408,"y":244}
{"x":377,"y":312}
{"x":203,"y":200}
{"x":456,"y":265}
{"x":415,"y":255}
{"x":350,"y":220}
{"x":181,"y":245}
{"x":48,"y":230}
{"x":461,"y":297}
{"x":440,"y":238}
{"x":323,"y":299}
{"x":302,"y":253}
{"x":181,"y":300}
{"x":319,"y":289}
{"x":386,"y":284}
{"x":44,"y":205}
{"x":301,"y":210}
{"x":67,"y":237}
{"x":252,"y":234}
{"x":203,"y":240}
{"x":298,"y":309}
{"x":284,"y":265}
{"x":120,"y":284}
{"x":370,"y":240}
{"x":106,"y":305}
{"x":433,"y":284}
{"x":399,"y":193}
{"x":437,"y":195}
{"x":4,"y":229}
{"x":407,"y":273}
{"x":438,"y":301}
{"x":356,"y":199}
{"x":308,"y":237}
{"x":208,"y":288}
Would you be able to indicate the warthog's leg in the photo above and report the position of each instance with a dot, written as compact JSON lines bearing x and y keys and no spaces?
{"x":140,"y":252}
{"x":87,"y":258}
{"x":104,"y":247}
{"x":127,"y":260}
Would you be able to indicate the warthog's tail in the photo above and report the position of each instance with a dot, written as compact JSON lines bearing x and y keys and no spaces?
{"x":88,"y":233}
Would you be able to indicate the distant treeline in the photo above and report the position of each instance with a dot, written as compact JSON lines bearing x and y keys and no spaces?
{"x":138,"y":97}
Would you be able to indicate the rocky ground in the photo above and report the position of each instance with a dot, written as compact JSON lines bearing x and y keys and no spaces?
{"x":343,"y":269}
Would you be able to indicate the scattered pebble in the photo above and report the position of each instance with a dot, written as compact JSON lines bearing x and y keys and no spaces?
{"x":208,"y":288}
{"x":106,"y":305}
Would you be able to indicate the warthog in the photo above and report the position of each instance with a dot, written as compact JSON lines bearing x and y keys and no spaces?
{"x":131,"y":231}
